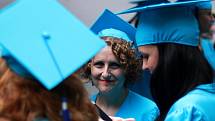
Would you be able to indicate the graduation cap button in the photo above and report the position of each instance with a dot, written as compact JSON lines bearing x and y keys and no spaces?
{"x":46,"y":35}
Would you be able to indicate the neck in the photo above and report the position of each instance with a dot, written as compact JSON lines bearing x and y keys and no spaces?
{"x":110,"y":103}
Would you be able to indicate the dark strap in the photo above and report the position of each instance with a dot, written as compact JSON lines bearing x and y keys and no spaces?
{"x":102,"y":114}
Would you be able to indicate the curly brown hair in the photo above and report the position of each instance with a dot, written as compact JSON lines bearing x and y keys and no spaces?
{"x":126,"y":55}
{"x":23,"y":99}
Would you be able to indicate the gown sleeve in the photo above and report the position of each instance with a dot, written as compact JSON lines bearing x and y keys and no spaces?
{"x":188,"y":113}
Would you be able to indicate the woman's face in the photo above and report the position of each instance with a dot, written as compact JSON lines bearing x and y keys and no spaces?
{"x":150,"y":56}
{"x":106,"y":71}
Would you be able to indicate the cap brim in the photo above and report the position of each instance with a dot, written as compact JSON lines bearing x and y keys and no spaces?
{"x":161,"y":5}
{"x":109,"y":20}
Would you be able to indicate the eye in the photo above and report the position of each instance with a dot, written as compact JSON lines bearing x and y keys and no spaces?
{"x":143,"y":55}
{"x":98,"y":64}
{"x":115,"y":65}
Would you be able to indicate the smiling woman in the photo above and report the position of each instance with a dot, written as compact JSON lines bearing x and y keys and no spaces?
{"x":110,"y":71}
{"x":114,"y":67}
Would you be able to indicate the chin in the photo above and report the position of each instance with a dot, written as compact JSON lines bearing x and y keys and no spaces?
{"x":105,"y":90}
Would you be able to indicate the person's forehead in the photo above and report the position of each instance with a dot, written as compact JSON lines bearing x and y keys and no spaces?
{"x":106,"y":54}
{"x":107,"y":50}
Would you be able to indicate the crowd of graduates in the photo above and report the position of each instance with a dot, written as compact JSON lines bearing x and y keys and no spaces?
{"x":46,"y":53}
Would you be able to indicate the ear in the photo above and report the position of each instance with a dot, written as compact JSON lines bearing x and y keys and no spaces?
{"x":89,"y":65}
{"x":199,"y":46}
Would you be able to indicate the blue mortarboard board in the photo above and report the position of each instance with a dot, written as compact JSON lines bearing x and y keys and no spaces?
{"x":109,"y":24}
{"x":209,"y":51}
{"x":156,"y":4}
{"x":161,"y":21}
{"x":46,"y":40}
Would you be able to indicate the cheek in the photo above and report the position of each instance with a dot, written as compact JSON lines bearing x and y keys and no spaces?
{"x":94,"y":76}
{"x":94,"y":72}
{"x":152,"y":62}
{"x":119,"y":74}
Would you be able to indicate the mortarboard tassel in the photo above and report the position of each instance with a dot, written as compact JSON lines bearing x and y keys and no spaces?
{"x":65,"y":111}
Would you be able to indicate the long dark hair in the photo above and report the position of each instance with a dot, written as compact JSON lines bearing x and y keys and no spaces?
{"x":180,"y":69}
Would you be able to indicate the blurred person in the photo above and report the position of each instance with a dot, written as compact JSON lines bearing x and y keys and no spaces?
{"x":201,"y":11}
{"x":182,"y":80}
{"x":38,"y":61}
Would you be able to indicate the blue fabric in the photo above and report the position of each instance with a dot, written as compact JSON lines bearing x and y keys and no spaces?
{"x":114,"y":33}
{"x":108,"y":20}
{"x":168,"y":25}
{"x":209,"y":52}
{"x":49,"y":46}
{"x":158,"y":4}
{"x":164,"y":1}
{"x":136,"y":106}
{"x":13,"y":64}
{"x":204,"y":5}
{"x":197,"y":105}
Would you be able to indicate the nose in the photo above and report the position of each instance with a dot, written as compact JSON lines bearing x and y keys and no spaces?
{"x":106,"y":74}
{"x":144,"y":65}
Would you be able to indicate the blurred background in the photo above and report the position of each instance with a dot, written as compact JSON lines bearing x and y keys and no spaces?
{"x":88,"y":10}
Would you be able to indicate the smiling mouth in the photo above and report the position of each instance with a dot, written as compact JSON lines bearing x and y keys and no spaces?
{"x":106,"y":81}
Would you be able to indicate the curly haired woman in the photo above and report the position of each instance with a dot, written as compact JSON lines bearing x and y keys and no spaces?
{"x":110,"y":71}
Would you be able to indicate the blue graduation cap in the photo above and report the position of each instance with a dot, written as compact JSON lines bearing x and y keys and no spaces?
{"x":161,"y":21}
{"x":209,"y":51}
{"x":156,"y":4}
{"x":43,"y":38}
{"x":109,"y":24}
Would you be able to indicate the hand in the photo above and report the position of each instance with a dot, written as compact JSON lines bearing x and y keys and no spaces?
{"x":121,"y":119}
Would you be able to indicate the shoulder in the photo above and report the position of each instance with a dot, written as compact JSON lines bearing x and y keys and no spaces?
{"x":186,"y":112}
{"x":197,"y":105}
{"x":146,"y":109}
